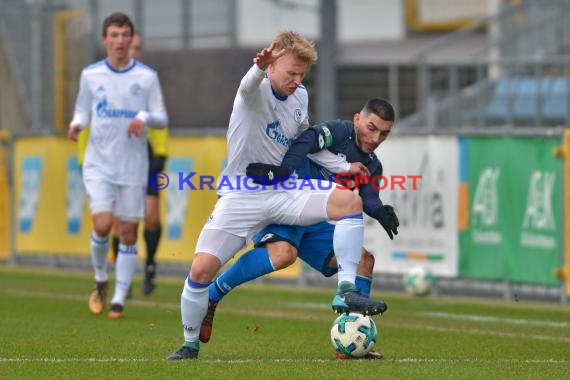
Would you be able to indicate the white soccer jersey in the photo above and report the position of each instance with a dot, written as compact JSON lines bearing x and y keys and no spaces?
{"x":108,"y":100}
{"x":262,"y":126}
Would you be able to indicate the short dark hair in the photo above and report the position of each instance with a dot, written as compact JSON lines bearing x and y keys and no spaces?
{"x":118,"y":19}
{"x":380,"y":107}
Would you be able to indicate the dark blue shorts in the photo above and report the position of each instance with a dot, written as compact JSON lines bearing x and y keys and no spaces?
{"x":314,"y":243}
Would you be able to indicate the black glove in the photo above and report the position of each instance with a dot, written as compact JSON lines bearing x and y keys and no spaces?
{"x":388,"y":219}
{"x":265,"y":174}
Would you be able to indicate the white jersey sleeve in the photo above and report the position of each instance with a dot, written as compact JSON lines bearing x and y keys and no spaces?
{"x":332,"y":162}
{"x":82,"y":112}
{"x":156,"y":116}
{"x":251,"y":81}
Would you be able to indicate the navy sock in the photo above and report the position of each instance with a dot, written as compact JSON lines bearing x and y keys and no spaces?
{"x":151,"y":238}
{"x":115,"y":243}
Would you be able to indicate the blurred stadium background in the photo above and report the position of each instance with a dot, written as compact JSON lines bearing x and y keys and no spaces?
{"x":482,"y":94}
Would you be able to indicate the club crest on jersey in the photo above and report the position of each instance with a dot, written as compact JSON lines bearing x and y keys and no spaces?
{"x":298,"y":115}
{"x":135,"y":89}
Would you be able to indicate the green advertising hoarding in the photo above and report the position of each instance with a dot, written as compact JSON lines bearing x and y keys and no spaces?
{"x":514,"y":209}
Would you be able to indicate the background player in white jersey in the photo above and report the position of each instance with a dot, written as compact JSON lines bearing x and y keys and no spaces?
{"x":270,"y":111}
{"x":158,"y":152}
{"x":117,"y":97}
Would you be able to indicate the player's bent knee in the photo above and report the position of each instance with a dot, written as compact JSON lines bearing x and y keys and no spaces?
{"x":282,"y":254}
{"x":204,"y":267}
{"x":128,"y":233}
{"x":343,"y":202}
{"x":101,"y":228}
{"x":102,"y":223}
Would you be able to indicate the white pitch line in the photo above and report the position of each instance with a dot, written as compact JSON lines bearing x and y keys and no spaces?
{"x":249,"y":361}
{"x":487,"y":319}
{"x":273,"y":314}
{"x":485,"y":332}
{"x":73,"y":360}
{"x":74,"y":297}
{"x":514,"y":361}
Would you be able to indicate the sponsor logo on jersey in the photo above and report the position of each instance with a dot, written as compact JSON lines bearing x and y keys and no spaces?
{"x":273,"y":132}
{"x":104,"y":111}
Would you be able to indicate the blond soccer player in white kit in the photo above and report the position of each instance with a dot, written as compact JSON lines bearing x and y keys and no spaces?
{"x":118,"y":97}
{"x":270,"y":110}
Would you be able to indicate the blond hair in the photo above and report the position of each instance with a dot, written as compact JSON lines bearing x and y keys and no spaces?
{"x":298,"y":45}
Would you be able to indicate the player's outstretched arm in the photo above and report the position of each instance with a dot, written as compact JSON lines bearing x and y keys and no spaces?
{"x":313,"y":140}
{"x":336,"y":163}
{"x":267,"y":56}
{"x":256,"y":73}
{"x":267,"y":174}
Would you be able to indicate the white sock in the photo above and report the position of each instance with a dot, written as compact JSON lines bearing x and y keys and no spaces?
{"x":193,"y":307}
{"x":347,"y":242}
{"x":99,"y":249}
{"x":124,"y":272}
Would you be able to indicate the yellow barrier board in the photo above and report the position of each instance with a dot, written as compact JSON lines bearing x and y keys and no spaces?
{"x":49,"y":198}
{"x":184,"y":210}
{"x":52,"y":213}
{"x":4,"y":204}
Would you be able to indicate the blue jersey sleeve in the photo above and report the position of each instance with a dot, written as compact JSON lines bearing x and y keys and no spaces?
{"x":318,"y":137}
{"x":370,"y":192}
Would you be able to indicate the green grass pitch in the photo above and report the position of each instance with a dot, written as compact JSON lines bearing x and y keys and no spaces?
{"x":269,"y":332}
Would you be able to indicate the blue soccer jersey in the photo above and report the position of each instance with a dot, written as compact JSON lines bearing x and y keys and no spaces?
{"x":315,"y":243}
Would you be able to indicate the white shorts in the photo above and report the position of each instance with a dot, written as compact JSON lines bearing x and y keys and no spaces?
{"x":243,"y":213}
{"x":124,"y":201}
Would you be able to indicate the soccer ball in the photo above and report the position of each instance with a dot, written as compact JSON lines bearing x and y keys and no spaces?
{"x":353,"y":334}
{"x":419,"y":281}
